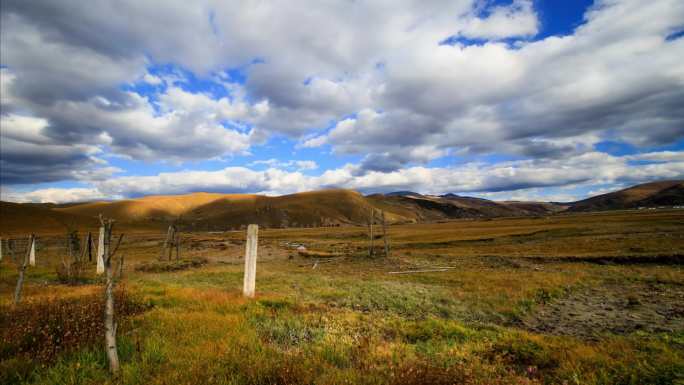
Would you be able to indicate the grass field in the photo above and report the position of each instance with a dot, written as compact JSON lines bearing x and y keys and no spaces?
{"x":567,"y":299}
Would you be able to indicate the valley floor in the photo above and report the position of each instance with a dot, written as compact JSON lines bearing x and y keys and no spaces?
{"x":567,"y":299}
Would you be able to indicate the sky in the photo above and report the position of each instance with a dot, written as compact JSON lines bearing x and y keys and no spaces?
{"x":519,"y":99}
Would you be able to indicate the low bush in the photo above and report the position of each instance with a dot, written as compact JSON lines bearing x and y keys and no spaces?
{"x":166,"y":266}
{"x":41,"y":330}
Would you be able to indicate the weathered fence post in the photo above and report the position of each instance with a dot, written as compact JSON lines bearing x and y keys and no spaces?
{"x":90,"y":246}
{"x":384,"y":234}
{"x":178,"y":240}
{"x":109,"y":323}
{"x":250,"y":260}
{"x":370,"y":232}
{"x":10,"y":249}
{"x":121,"y":267}
{"x":22,"y":271}
{"x":87,"y":240}
{"x":171,"y":242}
{"x":32,"y":255}
{"x":101,"y":251}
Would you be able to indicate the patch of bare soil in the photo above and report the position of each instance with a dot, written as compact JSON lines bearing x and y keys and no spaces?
{"x":612,"y":309}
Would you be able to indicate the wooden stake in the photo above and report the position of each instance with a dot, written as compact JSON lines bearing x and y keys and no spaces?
{"x":250,"y":260}
{"x":166,"y":250}
{"x":68,"y":247}
{"x":91,"y":246}
{"x":10,"y":249}
{"x":178,"y":241}
{"x":109,"y":323}
{"x":384,"y":234}
{"x":370,"y":233}
{"x":121,"y":266}
{"x":22,"y":270}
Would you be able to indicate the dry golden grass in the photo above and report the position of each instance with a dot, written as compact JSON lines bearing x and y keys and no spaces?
{"x":348,"y":321}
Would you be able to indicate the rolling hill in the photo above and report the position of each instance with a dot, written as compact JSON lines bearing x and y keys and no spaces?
{"x":212,"y":211}
{"x":17,"y":218}
{"x":204,"y":211}
{"x":664,"y":193}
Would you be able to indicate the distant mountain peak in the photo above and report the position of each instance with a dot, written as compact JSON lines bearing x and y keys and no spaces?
{"x":404,"y":194}
{"x":450,"y":195}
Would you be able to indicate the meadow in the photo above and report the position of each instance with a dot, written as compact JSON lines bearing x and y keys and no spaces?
{"x":565,"y":299}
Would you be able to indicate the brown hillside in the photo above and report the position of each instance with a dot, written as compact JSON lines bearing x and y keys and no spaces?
{"x":665,"y":193}
{"x":16,"y":218}
{"x":207,"y":211}
{"x":154,"y":207}
{"x":203,"y":211}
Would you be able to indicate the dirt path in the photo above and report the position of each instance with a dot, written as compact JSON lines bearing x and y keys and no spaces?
{"x":612,"y":309}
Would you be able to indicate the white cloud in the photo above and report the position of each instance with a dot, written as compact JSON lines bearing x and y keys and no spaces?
{"x":508,"y":180}
{"x":151,"y":79}
{"x":300,"y":165}
{"x":55,"y":195}
{"x":373,"y":71}
{"x":514,"y":20}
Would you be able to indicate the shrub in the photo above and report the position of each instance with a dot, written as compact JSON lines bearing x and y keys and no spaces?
{"x":164,"y":266}
{"x":72,"y":274}
{"x":43,"y":329}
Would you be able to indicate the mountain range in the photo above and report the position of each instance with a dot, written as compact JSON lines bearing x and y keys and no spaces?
{"x":212,"y":211}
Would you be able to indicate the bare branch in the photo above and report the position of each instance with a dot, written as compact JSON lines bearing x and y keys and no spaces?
{"x":116,"y":248}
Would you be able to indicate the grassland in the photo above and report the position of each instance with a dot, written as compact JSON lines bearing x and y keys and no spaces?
{"x":575,"y":299}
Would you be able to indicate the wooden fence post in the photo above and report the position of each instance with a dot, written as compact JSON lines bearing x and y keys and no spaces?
{"x":384,"y":235}
{"x":109,"y":323}
{"x":22,"y":271}
{"x":250,"y":260}
{"x":178,"y":245}
{"x":90,"y":246}
{"x":370,"y":232}
{"x":169,"y":243}
{"x":10,"y":249}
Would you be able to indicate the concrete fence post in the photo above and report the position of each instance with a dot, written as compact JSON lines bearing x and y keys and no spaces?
{"x":250,"y":260}
{"x":32,"y":255}
{"x":100,"y":252}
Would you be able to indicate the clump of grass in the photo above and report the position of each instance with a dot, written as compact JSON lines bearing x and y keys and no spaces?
{"x":74,"y":274}
{"x":276,"y":323}
{"x":433,"y":329}
{"x":524,"y":353}
{"x":166,"y":266}
{"x":42,"y":330}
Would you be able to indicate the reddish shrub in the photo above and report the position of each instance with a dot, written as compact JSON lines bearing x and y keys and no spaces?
{"x":43,"y":329}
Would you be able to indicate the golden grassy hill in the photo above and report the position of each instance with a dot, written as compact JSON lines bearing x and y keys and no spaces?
{"x":210,"y":211}
{"x":664,"y":193}
{"x":166,"y":207}
{"x":20,"y":219}
{"x":205,"y":211}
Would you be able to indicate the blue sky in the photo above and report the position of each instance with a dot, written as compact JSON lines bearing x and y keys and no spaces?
{"x":520,"y":99}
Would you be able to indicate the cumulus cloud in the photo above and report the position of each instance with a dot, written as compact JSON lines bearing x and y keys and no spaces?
{"x":507,"y":180}
{"x":372,"y":80}
{"x":300,"y":165}
{"x":514,"y":20}
{"x":56,"y":195}
{"x":27,"y":155}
